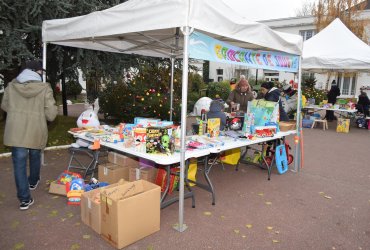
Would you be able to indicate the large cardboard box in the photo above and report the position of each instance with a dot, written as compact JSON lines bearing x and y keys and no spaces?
{"x":130,"y":212}
{"x":122,"y":160}
{"x":112,"y":173}
{"x":143,"y":173}
{"x":58,"y":189}
{"x":90,"y":206}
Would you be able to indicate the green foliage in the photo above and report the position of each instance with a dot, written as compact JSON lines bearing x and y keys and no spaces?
{"x":20,"y":23}
{"x":308,"y":81}
{"x":146,"y":94}
{"x":309,"y":90}
{"x":195,"y":82}
{"x":73,"y":88}
{"x":206,"y":71}
{"x":219,"y":88}
{"x":58,"y":131}
{"x":193,"y":97}
{"x":319,"y":95}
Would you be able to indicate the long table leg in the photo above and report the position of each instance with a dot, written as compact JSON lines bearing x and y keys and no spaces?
{"x":206,"y":172}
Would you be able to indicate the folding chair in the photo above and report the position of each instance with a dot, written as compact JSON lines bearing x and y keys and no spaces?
{"x":77,"y":162}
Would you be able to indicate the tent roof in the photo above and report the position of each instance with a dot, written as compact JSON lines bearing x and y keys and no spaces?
{"x":149,"y":28}
{"x":335,"y":48}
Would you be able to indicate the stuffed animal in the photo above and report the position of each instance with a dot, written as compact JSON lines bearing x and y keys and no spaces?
{"x":87,"y":119}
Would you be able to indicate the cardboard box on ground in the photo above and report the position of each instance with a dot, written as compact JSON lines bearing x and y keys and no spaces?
{"x":90,"y":206}
{"x":112,"y":173}
{"x":122,"y":160}
{"x":58,"y":189}
{"x":130,"y":212}
{"x":127,"y":168}
{"x":143,"y":173}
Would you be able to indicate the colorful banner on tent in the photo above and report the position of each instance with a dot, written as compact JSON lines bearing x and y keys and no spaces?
{"x":207,"y":48}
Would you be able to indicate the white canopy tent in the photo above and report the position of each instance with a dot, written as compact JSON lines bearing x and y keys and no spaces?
{"x":152,"y":28}
{"x":335,"y":48}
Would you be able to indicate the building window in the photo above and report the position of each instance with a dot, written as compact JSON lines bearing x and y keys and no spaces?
{"x":347,"y":84}
{"x":220,"y":79}
{"x":307,"y":34}
{"x":220,"y":71}
{"x":271,"y":76}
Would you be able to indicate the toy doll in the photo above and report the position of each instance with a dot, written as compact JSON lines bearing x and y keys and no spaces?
{"x":87,"y":119}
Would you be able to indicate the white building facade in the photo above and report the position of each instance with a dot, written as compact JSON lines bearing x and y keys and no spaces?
{"x":349,"y":83}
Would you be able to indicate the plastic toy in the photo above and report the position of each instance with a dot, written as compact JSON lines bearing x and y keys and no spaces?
{"x":67,"y":176}
{"x":265,"y":131}
{"x":281,"y":159}
{"x":74,"y":189}
{"x":87,"y":119}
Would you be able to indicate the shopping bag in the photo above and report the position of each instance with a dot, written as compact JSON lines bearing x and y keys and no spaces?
{"x":343,"y":125}
{"x":192,"y":171}
{"x":231,"y":156}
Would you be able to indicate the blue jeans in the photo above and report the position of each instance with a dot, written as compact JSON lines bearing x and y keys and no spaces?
{"x":20,"y":156}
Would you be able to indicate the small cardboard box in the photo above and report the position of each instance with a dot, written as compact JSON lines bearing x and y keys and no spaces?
{"x":143,"y":173}
{"x":112,"y":173}
{"x":130,"y":212}
{"x":58,"y":189}
{"x":90,"y":206}
{"x":122,"y":160}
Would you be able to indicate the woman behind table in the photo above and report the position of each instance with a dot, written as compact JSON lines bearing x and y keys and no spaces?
{"x":241,"y":95}
{"x":332,"y":95}
{"x":363,"y":103}
{"x":273,"y":94}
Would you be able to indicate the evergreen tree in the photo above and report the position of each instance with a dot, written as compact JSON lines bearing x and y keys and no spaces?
{"x":20,"y":34}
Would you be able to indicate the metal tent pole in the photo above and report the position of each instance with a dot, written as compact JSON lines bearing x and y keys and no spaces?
{"x":44,"y":80}
{"x":171,"y":88}
{"x":297,"y":154}
{"x":181,"y":227}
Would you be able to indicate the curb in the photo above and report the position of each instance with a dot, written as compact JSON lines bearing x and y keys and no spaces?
{"x":46,"y":149}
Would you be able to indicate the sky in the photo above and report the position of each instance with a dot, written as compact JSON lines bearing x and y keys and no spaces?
{"x":257,"y":10}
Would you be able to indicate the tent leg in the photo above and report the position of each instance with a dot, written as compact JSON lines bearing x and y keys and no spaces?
{"x":171,"y":88}
{"x":181,"y":227}
{"x":44,"y":80}
{"x":297,"y":162}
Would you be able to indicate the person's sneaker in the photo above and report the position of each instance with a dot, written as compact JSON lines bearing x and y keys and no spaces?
{"x":33,"y":187}
{"x":26,"y":204}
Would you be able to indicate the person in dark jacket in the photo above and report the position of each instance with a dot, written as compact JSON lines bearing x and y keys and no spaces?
{"x":273,"y":94}
{"x":332,"y":95}
{"x":216,"y":111}
{"x":363,"y":103}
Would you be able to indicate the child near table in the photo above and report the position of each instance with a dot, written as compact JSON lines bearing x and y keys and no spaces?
{"x":216,"y":111}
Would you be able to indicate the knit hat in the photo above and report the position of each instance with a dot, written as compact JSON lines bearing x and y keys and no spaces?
{"x":267,"y":85}
{"x":34,"y":65}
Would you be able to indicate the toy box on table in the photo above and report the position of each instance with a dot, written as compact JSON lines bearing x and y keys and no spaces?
{"x":130,"y":212}
{"x":213,"y":127}
{"x":159,"y":140}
